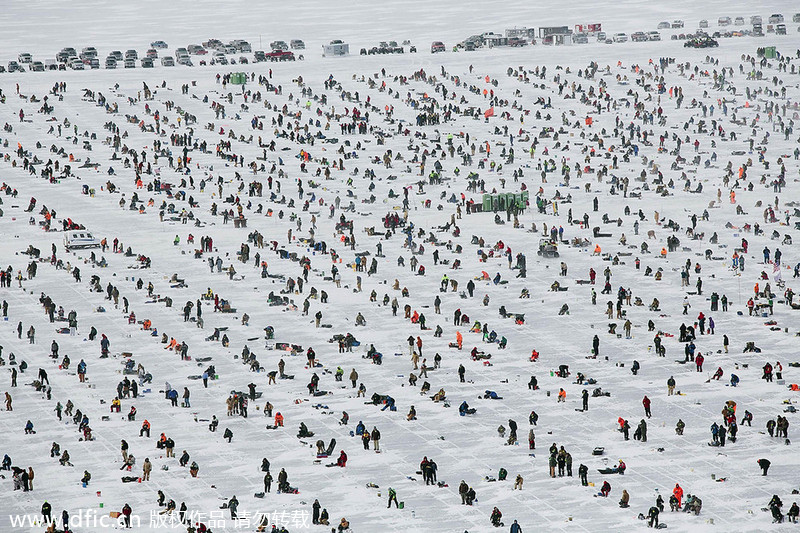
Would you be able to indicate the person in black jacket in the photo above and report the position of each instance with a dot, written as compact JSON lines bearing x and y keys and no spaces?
{"x":315,"y":514}
{"x":583,"y":470}
{"x":764,"y":464}
{"x":653,"y":515}
{"x":46,"y":510}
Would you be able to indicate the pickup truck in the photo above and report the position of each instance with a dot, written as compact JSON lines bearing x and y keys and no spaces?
{"x":280,"y":55}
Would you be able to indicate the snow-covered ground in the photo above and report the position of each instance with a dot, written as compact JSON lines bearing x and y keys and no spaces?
{"x":465,"y":448}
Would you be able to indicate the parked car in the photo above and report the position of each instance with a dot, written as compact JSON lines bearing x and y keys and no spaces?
{"x":639,"y":37}
{"x":775,"y":18}
{"x":259,"y":56}
{"x":437,"y":46}
{"x":89,"y":51}
{"x":129,"y":63}
{"x":185,"y":61}
{"x":279,"y":45}
{"x":796,"y":17}
{"x":159,"y":45}
{"x":578,"y":38}
{"x":76,"y":64}
{"x":147,"y":62}
{"x":756,"y":19}
{"x":25,"y":57}
{"x":37,"y":66}
{"x":131,"y":54}
{"x":653,"y":36}
{"x":601,"y":37}
{"x":704,"y":23}
{"x":739,"y":21}
{"x":780,"y":29}
{"x":664,"y":25}
{"x":167,"y":61}
{"x":50,"y":64}
{"x":93,"y":63}
{"x":620,"y":38}
{"x":297,"y":44}
{"x":726,"y":21}
{"x":116,"y":54}
{"x":677,"y":24}
{"x":111,"y":63}
{"x":152,"y":53}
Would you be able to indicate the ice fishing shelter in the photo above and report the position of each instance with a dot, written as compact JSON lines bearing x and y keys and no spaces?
{"x":502,"y":201}
{"x":558,"y":35}
{"x":492,"y":39}
{"x":238,"y":78}
{"x":523,"y":32}
{"x":770,"y":52}
{"x":335,"y":49}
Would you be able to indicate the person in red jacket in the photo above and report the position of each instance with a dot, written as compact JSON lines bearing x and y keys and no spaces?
{"x":646,"y":404}
{"x":342,"y":461}
{"x":126,"y":514}
{"x":698,"y":360}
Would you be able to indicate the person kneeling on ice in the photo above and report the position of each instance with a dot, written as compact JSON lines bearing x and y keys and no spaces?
{"x":491,"y":395}
{"x":464,"y":409}
{"x":496,"y":516}
{"x":342,"y":461}
{"x":623,"y":502}
{"x":606,"y":490}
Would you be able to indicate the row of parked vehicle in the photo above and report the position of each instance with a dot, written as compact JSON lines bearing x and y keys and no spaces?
{"x":390,"y":47}
{"x":212,"y":52}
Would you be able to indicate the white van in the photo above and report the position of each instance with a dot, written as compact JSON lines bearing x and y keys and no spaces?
{"x":79,"y":239}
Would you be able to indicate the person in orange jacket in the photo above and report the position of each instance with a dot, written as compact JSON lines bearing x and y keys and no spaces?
{"x":145,"y":428}
{"x":678,"y":493}
{"x":278,"y":420}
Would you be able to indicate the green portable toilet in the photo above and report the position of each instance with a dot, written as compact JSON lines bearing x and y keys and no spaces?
{"x":510,"y":200}
{"x":487,"y":202}
{"x":238,"y":78}
{"x":770,"y":52}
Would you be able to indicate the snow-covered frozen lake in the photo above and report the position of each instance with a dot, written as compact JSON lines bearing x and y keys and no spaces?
{"x":610,"y":150}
